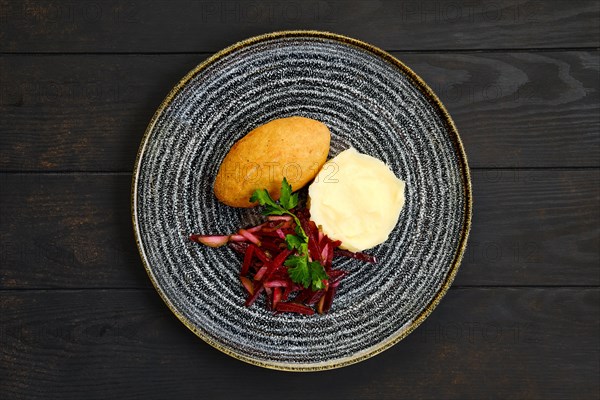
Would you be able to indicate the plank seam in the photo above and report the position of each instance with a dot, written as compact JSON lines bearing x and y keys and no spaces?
{"x":104,"y":172}
{"x":208,"y":52}
{"x":150,"y":289}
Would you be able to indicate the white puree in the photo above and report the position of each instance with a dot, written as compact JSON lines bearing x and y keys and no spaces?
{"x":357,"y":199}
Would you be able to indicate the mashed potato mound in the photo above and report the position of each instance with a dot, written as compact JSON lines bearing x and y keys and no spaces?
{"x":357,"y":199}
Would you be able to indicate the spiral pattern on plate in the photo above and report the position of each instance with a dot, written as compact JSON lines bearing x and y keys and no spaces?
{"x":369,"y":102}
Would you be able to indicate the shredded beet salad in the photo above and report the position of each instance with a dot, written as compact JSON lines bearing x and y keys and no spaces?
{"x":287,"y":257}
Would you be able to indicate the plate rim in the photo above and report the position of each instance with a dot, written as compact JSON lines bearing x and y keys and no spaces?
{"x":459,"y":250}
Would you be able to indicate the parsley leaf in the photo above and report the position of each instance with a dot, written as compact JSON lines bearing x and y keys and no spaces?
{"x":285,"y":194}
{"x":317,"y":275}
{"x":293,"y":201}
{"x":263,"y":198}
{"x":298,"y":270}
{"x":270,"y":210}
{"x":308,"y":274}
{"x":294,"y":242}
{"x":287,"y":199}
{"x":299,"y":231}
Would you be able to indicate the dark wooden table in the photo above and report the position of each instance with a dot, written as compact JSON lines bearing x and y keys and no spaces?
{"x":79,"y":82}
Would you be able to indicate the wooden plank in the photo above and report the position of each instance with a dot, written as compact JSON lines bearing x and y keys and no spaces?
{"x":190,"y":25}
{"x":68,"y":231}
{"x":535,"y":227}
{"x":81,"y":113}
{"x":88,"y":112}
{"x":520,"y":109}
{"x":479,"y":343}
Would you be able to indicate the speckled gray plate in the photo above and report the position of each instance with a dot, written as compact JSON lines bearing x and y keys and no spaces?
{"x":370,"y":101}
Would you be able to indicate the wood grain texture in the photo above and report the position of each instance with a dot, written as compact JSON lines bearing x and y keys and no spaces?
{"x":534,"y":228}
{"x":520,"y":109}
{"x":74,"y":231}
{"x":89,"y":112}
{"x":80,"y":113}
{"x":519,"y":77}
{"x":190,"y":25}
{"x":68,"y":231}
{"x":512,"y":343}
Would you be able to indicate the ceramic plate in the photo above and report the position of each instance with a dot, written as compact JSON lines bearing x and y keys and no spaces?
{"x":369,"y":100}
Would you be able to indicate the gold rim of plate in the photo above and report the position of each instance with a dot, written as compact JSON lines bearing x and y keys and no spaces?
{"x":406,"y":330}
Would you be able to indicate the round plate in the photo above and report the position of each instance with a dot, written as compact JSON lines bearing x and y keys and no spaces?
{"x":369,"y":100}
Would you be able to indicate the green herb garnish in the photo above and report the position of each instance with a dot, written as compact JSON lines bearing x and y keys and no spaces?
{"x":300,"y":269}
